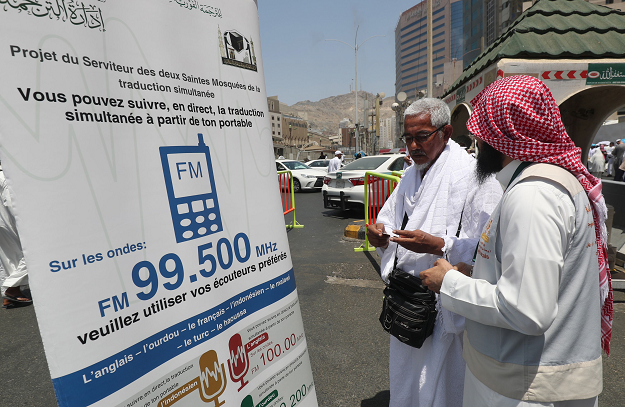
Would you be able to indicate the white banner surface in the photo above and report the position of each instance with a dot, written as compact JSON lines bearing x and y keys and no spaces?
{"x":136,"y":138}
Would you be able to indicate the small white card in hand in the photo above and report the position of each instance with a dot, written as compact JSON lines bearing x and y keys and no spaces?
{"x":390,"y":232}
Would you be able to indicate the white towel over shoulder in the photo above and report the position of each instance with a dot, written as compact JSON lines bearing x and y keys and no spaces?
{"x":434,"y":375}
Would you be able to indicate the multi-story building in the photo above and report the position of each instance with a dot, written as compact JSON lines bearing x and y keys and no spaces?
{"x":295,"y":130}
{"x":276,"y":118}
{"x":411,"y":44}
{"x":616,"y":4}
{"x":387,"y":132}
{"x":348,"y":137}
{"x":485,"y":20}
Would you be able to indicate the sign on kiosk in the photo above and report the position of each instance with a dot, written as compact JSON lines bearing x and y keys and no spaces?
{"x":135,"y":138}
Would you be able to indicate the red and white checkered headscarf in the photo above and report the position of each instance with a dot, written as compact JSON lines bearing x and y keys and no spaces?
{"x":519,"y":117}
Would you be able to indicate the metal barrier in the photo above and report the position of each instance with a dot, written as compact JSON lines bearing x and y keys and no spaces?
{"x":288,"y":199}
{"x":378,"y":187}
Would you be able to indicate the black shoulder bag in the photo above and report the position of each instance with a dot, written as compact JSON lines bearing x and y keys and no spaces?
{"x":409,"y":308}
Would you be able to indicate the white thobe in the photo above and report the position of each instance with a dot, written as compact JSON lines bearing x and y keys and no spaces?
{"x":433,"y":375}
{"x":334,"y":165}
{"x":11,"y":255}
{"x":515,"y":302}
{"x":596,"y":164}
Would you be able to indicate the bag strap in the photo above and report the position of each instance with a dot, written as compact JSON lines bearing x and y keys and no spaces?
{"x":403,"y":225}
{"x":460,"y":223}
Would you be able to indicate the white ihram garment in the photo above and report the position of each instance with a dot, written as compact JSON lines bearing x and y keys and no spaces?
{"x":433,"y":375}
{"x":596,"y":164}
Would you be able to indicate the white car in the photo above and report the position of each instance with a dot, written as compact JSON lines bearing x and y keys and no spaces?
{"x":320,"y":164}
{"x":346,"y":187}
{"x":304,"y":177}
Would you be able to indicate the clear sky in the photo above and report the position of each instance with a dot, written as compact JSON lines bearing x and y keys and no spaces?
{"x":300,"y":65}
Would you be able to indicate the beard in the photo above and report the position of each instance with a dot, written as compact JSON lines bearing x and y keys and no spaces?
{"x":421,"y":167}
{"x":489,"y":162}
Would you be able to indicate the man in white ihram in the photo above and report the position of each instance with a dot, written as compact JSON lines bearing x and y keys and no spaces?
{"x":335,"y":163}
{"x":433,"y":193}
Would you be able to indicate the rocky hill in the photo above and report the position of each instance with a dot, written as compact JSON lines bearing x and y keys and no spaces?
{"x":326,"y":114}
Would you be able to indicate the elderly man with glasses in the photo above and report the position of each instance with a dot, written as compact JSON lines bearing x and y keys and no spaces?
{"x":437,"y":210}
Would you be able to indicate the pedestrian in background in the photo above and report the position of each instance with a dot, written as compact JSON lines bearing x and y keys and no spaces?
{"x":538,"y":307}
{"x":335,"y":163}
{"x":609,"y":150}
{"x":11,"y":254}
{"x":596,"y":164}
{"x":440,"y":199}
{"x":619,"y":151}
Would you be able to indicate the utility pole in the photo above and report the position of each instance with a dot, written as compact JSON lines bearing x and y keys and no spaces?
{"x":378,"y":103}
{"x":430,"y":70}
{"x":355,"y":48}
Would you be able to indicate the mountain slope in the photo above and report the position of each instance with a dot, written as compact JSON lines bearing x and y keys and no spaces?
{"x":326,"y":114}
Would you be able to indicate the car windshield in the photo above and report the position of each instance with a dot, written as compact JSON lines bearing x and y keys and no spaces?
{"x":295,"y":165}
{"x":319,"y":163}
{"x":366,"y":163}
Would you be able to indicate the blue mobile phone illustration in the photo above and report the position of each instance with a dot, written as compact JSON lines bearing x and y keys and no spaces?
{"x":191,"y":190}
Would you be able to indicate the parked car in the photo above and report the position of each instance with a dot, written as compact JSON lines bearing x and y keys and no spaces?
{"x":346,"y":188}
{"x":320,"y":164}
{"x":304,"y":177}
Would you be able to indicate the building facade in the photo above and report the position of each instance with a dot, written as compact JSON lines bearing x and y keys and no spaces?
{"x":411,"y":44}
{"x":387,"y":131}
{"x":276,"y":118}
{"x":485,"y":20}
{"x":295,"y":130}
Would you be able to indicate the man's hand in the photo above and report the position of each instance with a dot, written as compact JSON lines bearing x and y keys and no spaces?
{"x":376,"y":236}
{"x":433,"y":278}
{"x":419,"y":242}
{"x":407,"y":160}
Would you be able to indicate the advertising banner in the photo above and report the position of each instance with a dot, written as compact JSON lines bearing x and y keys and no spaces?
{"x":135,"y":136}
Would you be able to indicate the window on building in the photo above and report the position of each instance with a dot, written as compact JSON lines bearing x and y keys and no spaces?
{"x":273,"y":132}
{"x":278,"y":133}
{"x":273,"y":125}
{"x":278,"y":124}
{"x":271,"y":117}
{"x":609,"y":1}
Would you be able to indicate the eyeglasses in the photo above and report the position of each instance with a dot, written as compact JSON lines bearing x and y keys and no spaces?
{"x":419,"y":139}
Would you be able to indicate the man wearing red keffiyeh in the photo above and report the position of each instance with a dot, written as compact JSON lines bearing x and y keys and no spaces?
{"x":539,"y":306}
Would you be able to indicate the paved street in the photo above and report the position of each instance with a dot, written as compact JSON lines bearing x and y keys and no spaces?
{"x":340,"y":297}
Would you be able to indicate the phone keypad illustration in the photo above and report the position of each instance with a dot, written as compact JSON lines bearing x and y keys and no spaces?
{"x":191,"y":190}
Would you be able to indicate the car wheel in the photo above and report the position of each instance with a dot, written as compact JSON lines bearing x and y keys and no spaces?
{"x":296,"y":185}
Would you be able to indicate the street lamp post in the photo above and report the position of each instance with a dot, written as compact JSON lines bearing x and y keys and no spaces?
{"x":355,"y":48}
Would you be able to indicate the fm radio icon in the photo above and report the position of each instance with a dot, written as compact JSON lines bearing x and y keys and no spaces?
{"x":190,"y":185}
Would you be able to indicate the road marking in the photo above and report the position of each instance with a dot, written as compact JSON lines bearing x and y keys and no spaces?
{"x":355,"y":282}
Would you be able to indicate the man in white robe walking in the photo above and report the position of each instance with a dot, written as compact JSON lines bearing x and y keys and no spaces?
{"x":433,"y":193}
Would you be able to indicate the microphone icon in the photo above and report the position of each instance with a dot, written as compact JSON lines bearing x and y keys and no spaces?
{"x":212,"y":378}
{"x":240,"y":360}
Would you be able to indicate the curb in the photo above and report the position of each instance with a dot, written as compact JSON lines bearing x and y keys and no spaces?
{"x":356,"y":230}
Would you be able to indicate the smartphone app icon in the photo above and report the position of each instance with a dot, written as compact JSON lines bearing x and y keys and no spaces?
{"x":191,"y":190}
